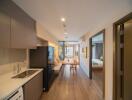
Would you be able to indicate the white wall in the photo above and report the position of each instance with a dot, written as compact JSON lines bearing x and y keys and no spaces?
{"x":108,"y":26}
{"x":44,"y":34}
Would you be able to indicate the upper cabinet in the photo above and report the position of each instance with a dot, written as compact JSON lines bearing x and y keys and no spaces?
{"x":22,"y":29}
{"x":22,"y":26}
{"x":4,"y":30}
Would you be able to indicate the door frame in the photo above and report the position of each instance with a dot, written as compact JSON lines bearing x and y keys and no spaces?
{"x":115,"y":54}
{"x":90,"y":58}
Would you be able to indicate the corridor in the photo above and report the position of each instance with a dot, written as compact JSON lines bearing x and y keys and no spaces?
{"x":73,"y":85}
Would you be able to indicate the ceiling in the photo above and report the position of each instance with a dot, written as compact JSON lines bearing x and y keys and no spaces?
{"x":82,"y":16}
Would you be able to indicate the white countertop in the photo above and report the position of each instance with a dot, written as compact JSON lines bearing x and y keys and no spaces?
{"x":8,"y":84}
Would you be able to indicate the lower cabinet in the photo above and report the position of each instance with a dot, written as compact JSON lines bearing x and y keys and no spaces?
{"x":33,"y":89}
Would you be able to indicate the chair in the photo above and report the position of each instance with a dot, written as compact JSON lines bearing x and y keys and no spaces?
{"x":73,"y":64}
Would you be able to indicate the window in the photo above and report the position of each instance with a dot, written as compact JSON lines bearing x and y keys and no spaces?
{"x":69,"y":51}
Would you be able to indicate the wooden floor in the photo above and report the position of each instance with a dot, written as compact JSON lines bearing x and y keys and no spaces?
{"x":73,"y":85}
{"x":98,"y":78}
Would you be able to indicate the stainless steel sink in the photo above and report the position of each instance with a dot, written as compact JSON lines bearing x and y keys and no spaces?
{"x":25,"y":74}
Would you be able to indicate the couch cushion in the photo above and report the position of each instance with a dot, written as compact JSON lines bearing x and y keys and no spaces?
{"x":58,"y":67}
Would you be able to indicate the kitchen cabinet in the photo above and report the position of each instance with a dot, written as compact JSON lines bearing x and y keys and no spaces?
{"x":22,"y":26}
{"x":22,"y":29}
{"x":4,"y":30}
{"x":34,"y":88}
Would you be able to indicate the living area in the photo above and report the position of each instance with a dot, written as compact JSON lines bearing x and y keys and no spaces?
{"x":68,"y":55}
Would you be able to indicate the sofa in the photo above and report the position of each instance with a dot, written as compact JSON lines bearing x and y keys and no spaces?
{"x":57,"y":66}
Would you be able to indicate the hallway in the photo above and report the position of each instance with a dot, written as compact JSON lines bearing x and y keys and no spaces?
{"x":73,"y":85}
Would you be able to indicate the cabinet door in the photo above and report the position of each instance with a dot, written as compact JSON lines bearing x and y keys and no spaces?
{"x":22,"y":30}
{"x":4,"y":30}
{"x":128,"y":60}
{"x":33,"y":89}
{"x":23,"y":33}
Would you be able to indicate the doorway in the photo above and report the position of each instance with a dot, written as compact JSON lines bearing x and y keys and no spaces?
{"x":97,"y":60}
{"x":122,"y":88}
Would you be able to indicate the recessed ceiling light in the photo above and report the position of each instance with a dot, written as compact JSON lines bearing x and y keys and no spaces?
{"x":65,"y":33}
{"x":63,"y":19}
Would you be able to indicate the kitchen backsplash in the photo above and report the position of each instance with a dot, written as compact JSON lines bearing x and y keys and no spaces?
{"x":9,"y":58}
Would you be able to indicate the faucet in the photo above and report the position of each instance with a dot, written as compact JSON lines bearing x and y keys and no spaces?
{"x":18,"y":68}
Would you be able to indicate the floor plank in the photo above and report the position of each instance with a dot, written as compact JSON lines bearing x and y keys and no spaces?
{"x":73,"y":85}
{"x":98,"y":78}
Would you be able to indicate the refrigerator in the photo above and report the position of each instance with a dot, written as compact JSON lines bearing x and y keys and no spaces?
{"x":43,"y":57}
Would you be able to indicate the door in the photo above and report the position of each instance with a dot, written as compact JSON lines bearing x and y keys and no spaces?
{"x":97,"y":60}
{"x":128,"y":60}
{"x":122,"y":59}
{"x":124,"y":69}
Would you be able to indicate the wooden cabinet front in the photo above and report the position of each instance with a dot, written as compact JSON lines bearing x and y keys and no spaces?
{"x":34,"y":88}
{"x":17,"y":29}
{"x":4,"y":30}
{"x":23,"y":33}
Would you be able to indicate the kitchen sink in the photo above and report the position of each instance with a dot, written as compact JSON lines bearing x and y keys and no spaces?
{"x":25,"y":74}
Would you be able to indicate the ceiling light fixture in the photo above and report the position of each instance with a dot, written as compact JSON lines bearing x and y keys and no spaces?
{"x":63,"y":19}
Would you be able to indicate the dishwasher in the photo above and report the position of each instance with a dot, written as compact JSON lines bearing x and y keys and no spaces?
{"x":17,"y":95}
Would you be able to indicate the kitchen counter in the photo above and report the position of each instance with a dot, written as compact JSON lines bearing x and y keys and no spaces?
{"x":8,"y":84}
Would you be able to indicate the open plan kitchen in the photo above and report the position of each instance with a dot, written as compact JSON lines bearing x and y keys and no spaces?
{"x":65,"y":49}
